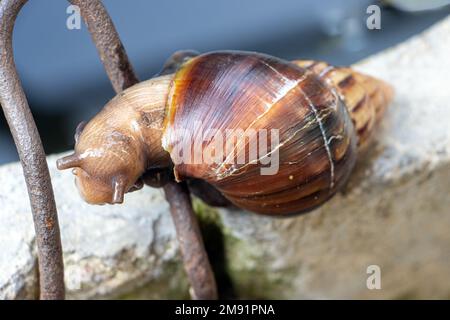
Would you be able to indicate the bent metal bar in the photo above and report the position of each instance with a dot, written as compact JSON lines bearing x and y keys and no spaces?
{"x":35,"y":169}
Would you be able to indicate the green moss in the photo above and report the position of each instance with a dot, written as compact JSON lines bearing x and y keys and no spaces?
{"x":206,"y":214}
{"x":211,"y":227}
{"x":174,"y":285}
{"x":242,"y":270}
{"x":249,"y":271}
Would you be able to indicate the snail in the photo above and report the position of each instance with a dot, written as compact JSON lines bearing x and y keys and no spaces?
{"x":323,"y":116}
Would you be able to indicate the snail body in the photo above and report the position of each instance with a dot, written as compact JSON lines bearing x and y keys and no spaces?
{"x":314,"y":118}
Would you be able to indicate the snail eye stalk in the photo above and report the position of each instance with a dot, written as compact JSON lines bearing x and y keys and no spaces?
{"x":68,"y":162}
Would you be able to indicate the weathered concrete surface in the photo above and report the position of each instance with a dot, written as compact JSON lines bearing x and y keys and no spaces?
{"x":109,"y":251}
{"x":395,"y":213}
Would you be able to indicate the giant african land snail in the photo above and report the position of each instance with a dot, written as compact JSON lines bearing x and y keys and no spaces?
{"x":322,"y":115}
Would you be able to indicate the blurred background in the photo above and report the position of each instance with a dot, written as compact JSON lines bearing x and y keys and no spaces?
{"x":65,"y":82}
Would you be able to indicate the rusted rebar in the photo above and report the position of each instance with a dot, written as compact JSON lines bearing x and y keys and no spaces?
{"x":32,"y":157}
{"x":108,"y":44}
{"x":196,"y":262}
{"x":122,"y":76}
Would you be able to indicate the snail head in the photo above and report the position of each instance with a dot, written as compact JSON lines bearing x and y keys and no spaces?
{"x":120,"y":143}
{"x":106,"y":162}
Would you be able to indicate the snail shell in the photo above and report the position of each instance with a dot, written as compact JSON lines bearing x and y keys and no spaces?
{"x":320,"y":115}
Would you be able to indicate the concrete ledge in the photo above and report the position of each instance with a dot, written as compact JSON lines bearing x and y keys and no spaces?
{"x":394,"y":213}
{"x":109,"y":251}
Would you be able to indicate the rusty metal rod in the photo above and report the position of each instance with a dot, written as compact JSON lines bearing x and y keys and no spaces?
{"x":32,"y":157}
{"x":196,"y":262}
{"x":109,"y":47}
{"x":122,"y":76}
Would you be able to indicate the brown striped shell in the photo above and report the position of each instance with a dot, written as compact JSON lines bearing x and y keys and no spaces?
{"x":247,"y":92}
{"x":320,"y":114}
{"x":365,"y":97}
